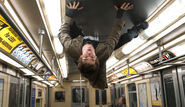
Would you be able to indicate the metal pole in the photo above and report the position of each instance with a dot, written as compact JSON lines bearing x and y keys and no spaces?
{"x":81,"y":90}
{"x":41,"y":32}
{"x":160,"y":53}
{"x":128,"y":66}
{"x":53,"y":64}
{"x":100,"y":98}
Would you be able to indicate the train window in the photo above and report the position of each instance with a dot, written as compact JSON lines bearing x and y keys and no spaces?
{"x":183,"y":78}
{"x":104,"y":97}
{"x":1,"y":92}
{"x":14,"y":92}
{"x":39,"y":93}
{"x":142,"y":92}
{"x":76,"y":92}
{"x":59,"y":96}
{"x":132,"y":95}
{"x":170,"y":92}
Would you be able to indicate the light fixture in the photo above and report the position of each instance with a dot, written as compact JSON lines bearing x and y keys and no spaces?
{"x":112,"y":60}
{"x":52,"y":10}
{"x":46,"y":82}
{"x":27,"y":72}
{"x":9,"y":60}
{"x":38,"y":78}
{"x":78,"y":80}
{"x":10,"y":9}
{"x":179,"y":49}
{"x":58,"y":46}
{"x":63,"y":65}
{"x":132,"y":45}
{"x":173,"y":12}
{"x":170,"y":14}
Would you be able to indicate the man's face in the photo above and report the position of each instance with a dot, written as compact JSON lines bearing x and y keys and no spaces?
{"x":88,"y":54}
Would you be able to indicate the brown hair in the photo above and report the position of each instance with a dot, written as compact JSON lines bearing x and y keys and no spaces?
{"x":88,"y":70}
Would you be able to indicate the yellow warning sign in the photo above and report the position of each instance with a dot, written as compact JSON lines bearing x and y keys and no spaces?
{"x":131,"y":71}
{"x":9,"y":39}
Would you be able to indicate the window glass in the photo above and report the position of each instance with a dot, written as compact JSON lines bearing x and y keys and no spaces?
{"x":76,"y":92}
{"x":1,"y":92}
{"x":104,"y":97}
{"x":142,"y":92}
{"x":183,"y":79}
{"x":14,"y":92}
{"x":59,"y":96}
{"x":170,"y":93}
{"x":132,"y":95}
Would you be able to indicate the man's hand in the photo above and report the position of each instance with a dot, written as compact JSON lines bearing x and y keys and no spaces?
{"x":124,"y":7}
{"x":73,"y":9}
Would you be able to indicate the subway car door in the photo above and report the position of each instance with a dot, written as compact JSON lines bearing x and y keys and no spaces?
{"x":181,"y":77}
{"x":172,"y":95}
{"x":79,"y":96}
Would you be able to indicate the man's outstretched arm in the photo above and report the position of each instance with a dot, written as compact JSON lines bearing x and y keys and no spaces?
{"x":71,"y":11}
{"x":113,"y":39}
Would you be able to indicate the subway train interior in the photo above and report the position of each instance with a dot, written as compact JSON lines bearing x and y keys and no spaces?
{"x":147,"y":69}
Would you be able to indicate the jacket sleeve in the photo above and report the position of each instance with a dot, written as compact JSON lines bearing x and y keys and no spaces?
{"x":63,"y":35}
{"x":113,"y":38}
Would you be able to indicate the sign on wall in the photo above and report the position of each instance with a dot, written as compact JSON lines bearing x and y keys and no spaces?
{"x":166,"y":55}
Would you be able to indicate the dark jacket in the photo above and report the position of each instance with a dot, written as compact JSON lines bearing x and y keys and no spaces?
{"x":73,"y":47}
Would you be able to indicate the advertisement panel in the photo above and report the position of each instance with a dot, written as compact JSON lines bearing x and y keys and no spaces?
{"x":156,"y":93}
{"x":9,"y":39}
{"x":11,"y":42}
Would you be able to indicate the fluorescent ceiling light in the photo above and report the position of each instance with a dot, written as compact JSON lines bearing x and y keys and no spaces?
{"x":38,"y":78}
{"x":52,"y":82}
{"x":9,"y":60}
{"x":78,"y":80}
{"x":179,"y":49}
{"x":58,"y":45}
{"x":51,"y":85}
{"x":132,"y":45}
{"x":63,"y":65}
{"x":17,"y":20}
{"x":170,"y":14}
{"x":53,"y":13}
{"x":27,"y":72}
{"x":112,"y":60}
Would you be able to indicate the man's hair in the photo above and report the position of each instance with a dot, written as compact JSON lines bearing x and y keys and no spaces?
{"x":88,"y":70}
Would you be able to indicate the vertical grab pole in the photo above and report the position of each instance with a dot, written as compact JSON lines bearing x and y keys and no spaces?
{"x":160,"y":52}
{"x":100,"y":98}
{"x":128,"y":66}
{"x":41,"y":32}
{"x":81,"y":90}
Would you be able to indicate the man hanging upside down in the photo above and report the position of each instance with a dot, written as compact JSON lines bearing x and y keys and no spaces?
{"x":89,"y":55}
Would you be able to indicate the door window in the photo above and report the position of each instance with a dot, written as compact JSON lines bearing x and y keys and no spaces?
{"x":183,"y":79}
{"x":104,"y":97}
{"x":132,"y":95}
{"x":1,"y":92}
{"x":170,"y":92}
{"x":76,"y":92}
{"x":14,"y":92}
